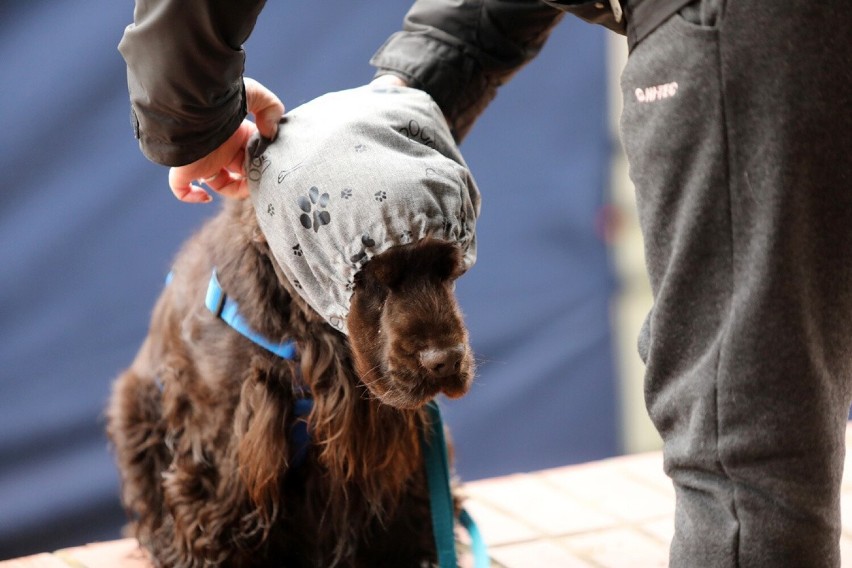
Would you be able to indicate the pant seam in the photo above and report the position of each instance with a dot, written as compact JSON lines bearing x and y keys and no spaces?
{"x":725,"y":136}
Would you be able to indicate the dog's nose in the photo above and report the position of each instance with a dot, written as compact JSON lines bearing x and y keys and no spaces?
{"x":444,"y":361}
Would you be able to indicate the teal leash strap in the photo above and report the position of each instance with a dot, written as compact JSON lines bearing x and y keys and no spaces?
{"x":438,"y":477}
{"x":441,"y":500}
{"x":477,"y":543}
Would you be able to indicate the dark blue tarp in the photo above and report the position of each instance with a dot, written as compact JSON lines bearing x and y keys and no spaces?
{"x":88,"y":228}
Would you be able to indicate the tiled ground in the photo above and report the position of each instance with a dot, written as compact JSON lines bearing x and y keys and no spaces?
{"x":611,"y":513}
{"x":608,"y":514}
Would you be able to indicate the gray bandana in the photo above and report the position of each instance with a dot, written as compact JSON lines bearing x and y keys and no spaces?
{"x":352,"y":174}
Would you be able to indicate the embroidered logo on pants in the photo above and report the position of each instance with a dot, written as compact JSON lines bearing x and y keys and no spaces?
{"x":656,"y":93}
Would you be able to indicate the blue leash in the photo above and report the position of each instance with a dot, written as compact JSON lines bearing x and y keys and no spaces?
{"x":432,"y":441}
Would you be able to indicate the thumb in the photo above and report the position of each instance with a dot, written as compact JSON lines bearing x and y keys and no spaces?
{"x":266,"y":107}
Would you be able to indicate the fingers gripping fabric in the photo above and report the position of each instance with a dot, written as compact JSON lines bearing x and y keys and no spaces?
{"x":352,"y":174}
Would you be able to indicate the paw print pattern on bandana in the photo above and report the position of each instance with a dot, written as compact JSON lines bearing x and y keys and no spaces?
{"x":358,"y":259}
{"x":297,"y":250}
{"x":306,"y":204}
{"x":380,"y":196}
{"x":270,"y":209}
{"x":345,"y":193}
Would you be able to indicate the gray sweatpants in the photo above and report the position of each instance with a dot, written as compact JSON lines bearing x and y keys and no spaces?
{"x":738,"y":130}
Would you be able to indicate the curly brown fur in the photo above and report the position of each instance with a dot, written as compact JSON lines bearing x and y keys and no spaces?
{"x":200,"y":421}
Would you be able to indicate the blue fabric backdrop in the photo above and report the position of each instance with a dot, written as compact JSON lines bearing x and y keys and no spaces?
{"x":88,"y":228}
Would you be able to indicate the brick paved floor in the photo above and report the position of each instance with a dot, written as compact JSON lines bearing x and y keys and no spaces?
{"x":608,"y":514}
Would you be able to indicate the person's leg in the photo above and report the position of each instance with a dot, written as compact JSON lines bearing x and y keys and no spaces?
{"x":738,"y":131}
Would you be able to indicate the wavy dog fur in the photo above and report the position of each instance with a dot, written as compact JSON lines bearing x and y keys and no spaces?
{"x":200,"y":421}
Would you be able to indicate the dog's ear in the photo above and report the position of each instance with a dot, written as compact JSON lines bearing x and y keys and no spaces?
{"x":263,"y":449}
{"x":438,"y":259}
{"x":385,"y":270}
{"x":446,"y":261}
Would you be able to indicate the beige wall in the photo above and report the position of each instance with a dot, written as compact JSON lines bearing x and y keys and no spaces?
{"x":633,"y":297}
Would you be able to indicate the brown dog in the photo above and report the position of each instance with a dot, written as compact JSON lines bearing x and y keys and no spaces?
{"x":203,"y":420}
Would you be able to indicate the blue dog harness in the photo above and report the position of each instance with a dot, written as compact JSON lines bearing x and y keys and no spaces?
{"x":432,"y":441}
{"x":227,"y":310}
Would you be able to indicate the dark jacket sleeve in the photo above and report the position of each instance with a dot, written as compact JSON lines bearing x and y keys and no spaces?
{"x":461,"y":52}
{"x":184,"y":73}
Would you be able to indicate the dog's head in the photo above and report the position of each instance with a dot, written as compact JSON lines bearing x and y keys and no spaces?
{"x":406,"y":331}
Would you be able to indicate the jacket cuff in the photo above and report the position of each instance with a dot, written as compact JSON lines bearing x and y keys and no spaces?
{"x":210,"y":132}
{"x":453,"y":79}
{"x":601,"y":13}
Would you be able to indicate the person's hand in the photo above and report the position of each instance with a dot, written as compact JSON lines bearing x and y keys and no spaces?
{"x":223,"y":170}
{"x":388,"y":81}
